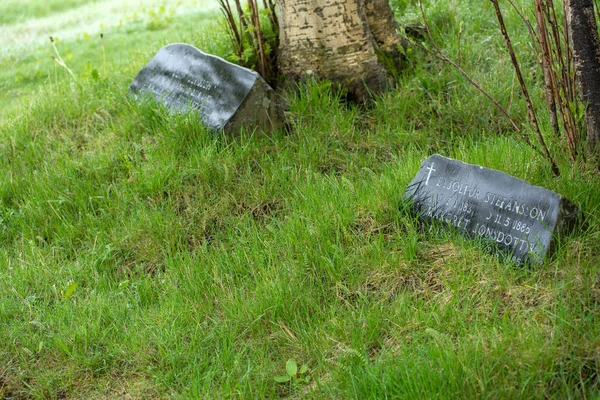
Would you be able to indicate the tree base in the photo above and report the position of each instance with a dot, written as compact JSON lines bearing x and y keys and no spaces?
{"x":354,"y":43}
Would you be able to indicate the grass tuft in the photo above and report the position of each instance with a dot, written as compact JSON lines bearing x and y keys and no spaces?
{"x":143,"y":256}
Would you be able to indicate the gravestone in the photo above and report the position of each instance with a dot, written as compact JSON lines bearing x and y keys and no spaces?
{"x":520,"y":220}
{"x":225,"y":95}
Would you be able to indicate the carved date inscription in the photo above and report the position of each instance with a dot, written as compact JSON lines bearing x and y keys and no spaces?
{"x":518,"y":218}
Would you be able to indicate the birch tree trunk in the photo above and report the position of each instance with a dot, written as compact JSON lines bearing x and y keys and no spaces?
{"x":583,"y":31}
{"x":354,"y":43}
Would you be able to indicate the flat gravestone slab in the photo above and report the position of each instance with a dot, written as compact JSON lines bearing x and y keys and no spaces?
{"x":519,"y":219}
{"x":183,"y":77}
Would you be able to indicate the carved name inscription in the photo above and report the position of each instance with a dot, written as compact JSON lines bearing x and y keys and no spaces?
{"x":183,"y":77}
{"x":518,"y":218}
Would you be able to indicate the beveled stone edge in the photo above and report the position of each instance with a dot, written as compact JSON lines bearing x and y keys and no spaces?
{"x":191,"y":109}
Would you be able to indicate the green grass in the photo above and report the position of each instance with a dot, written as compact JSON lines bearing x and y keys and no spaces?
{"x":14,"y":11}
{"x":26,"y":61}
{"x":205,"y":261}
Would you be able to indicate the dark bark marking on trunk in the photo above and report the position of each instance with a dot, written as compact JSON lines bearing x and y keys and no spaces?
{"x":586,"y":51}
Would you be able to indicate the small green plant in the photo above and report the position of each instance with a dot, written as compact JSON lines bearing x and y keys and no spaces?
{"x":59,"y":60}
{"x":70,"y":290}
{"x":254,"y":34}
{"x":293,"y":376}
{"x":159,"y":19}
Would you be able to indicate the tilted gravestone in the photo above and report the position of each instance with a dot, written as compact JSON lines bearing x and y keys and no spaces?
{"x":519,"y":219}
{"x":225,"y":95}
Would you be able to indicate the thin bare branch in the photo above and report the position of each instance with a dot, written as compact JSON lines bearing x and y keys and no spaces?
{"x":530,"y":108}
{"x":443,"y":57}
{"x":258,"y":36}
{"x":525,"y":20}
{"x":546,"y":65}
{"x":236,"y":37}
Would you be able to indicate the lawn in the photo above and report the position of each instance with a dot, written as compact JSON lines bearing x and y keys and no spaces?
{"x":143,"y":256}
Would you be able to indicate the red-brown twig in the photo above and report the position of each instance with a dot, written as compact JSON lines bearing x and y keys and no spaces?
{"x":259,"y":39}
{"x":546,"y":62}
{"x":236,"y":36}
{"x":530,"y":109}
{"x":442,"y":57}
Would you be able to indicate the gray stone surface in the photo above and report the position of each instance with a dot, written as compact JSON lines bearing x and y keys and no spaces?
{"x":225,"y":95}
{"x":518,"y":219}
